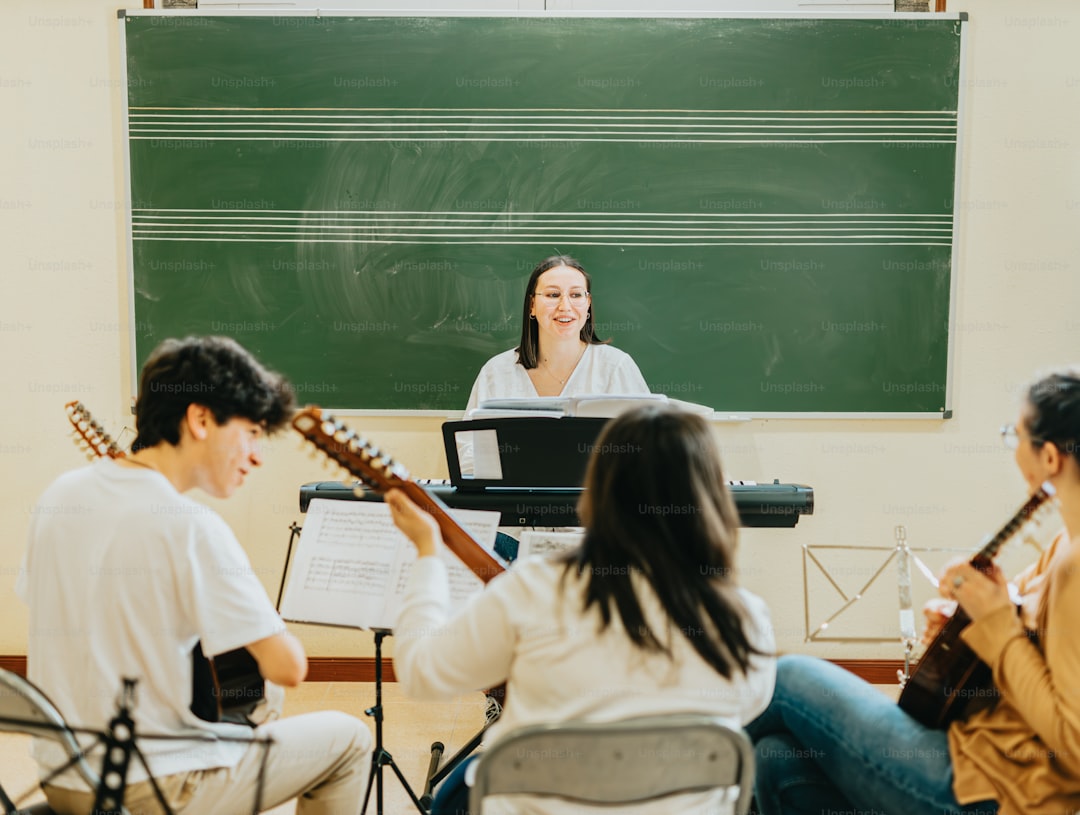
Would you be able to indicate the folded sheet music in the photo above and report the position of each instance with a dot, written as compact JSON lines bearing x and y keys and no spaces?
{"x":351,"y":564}
{"x":548,"y":542}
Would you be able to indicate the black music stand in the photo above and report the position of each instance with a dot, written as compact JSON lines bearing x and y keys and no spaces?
{"x":381,"y":757}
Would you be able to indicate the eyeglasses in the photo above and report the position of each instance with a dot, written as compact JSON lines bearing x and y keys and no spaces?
{"x":1010,"y":437}
{"x":554,"y":295}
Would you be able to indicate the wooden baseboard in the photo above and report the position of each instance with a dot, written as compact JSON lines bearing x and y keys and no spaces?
{"x":362,"y":669}
{"x":320,"y":669}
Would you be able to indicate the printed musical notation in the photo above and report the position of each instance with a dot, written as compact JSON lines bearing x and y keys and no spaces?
{"x":352,"y":565}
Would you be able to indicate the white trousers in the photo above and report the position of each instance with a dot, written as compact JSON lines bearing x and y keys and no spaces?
{"x":322,"y":759}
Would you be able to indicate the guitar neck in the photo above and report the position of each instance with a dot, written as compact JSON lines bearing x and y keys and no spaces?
{"x":475,"y":557}
{"x":990,"y":549}
{"x":380,"y":472}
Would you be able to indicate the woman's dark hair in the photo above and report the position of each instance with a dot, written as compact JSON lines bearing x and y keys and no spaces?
{"x":529,"y":348}
{"x":1053,"y":411}
{"x":656,"y":506}
{"x":215,"y":372}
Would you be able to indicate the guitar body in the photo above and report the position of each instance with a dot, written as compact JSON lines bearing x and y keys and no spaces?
{"x":226,"y":688}
{"x":950,"y":682}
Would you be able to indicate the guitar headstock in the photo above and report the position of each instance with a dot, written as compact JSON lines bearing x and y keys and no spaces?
{"x":357,"y":455}
{"x":90,"y":435}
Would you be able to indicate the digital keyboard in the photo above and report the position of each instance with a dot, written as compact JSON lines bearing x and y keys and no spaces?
{"x":759,"y":505}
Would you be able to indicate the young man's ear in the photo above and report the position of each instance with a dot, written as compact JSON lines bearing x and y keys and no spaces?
{"x":197,"y":419}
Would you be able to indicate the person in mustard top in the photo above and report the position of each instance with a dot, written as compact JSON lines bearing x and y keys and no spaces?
{"x":830,"y":742}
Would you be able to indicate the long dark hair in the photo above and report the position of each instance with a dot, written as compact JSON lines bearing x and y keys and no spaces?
{"x":656,"y":504}
{"x":529,"y":347}
{"x":1053,"y":411}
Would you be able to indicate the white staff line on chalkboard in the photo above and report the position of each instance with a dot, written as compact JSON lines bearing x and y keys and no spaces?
{"x":712,"y":230}
{"x":565,"y":224}
{"x":565,"y":231}
{"x":502,"y":221}
{"x":652,"y":141}
{"x":596,"y":121}
{"x":576,"y":110}
{"x":442,"y":134}
{"x":518,"y":233}
{"x":534,"y":241}
{"x":422,"y":212}
{"x":575,"y":115}
{"x":534,"y":124}
{"x":382,"y":127}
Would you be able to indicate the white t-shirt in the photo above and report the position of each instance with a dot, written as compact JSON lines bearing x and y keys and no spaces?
{"x":524,"y":628}
{"x":601,"y":369}
{"x":123,"y":575}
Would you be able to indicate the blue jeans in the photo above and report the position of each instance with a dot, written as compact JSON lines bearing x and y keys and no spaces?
{"x":831,"y":743}
{"x":452,"y":797}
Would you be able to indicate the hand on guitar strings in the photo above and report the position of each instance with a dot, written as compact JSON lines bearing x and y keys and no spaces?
{"x":977,"y":593}
{"x":937,"y":612}
{"x":418,"y":526}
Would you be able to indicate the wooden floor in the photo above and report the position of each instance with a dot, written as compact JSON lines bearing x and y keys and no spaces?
{"x":409,"y":728}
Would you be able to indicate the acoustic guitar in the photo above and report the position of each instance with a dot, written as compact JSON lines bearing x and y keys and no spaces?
{"x":379,"y":472}
{"x":950,"y":682}
{"x":226,"y":688}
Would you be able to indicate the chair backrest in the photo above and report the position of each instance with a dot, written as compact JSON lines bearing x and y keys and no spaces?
{"x":25,"y":709}
{"x":624,"y":762}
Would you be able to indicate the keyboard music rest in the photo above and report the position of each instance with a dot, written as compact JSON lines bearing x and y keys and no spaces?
{"x":759,"y":505}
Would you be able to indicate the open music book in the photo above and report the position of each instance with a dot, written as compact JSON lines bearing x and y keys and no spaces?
{"x":352,"y":564}
{"x":596,"y":405}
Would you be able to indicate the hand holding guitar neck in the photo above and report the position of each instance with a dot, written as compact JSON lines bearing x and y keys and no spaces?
{"x":380,"y":472}
{"x":419,"y":527}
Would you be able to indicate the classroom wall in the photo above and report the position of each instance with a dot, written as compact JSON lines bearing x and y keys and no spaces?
{"x":64,"y":332}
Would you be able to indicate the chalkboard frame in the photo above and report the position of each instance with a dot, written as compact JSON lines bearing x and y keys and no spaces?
{"x":138,"y":351}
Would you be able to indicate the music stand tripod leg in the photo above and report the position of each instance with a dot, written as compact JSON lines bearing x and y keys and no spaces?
{"x":381,"y":757}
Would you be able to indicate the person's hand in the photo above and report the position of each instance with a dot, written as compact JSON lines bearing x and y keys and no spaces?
{"x":944,"y":586}
{"x":977,"y":593}
{"x":417,"y":525}
{"x":937,"y":611}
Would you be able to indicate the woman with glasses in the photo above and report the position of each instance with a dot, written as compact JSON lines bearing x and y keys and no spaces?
{"x":830,"y":742}
{"x":645,"y":617}
{"x":559,"y":353}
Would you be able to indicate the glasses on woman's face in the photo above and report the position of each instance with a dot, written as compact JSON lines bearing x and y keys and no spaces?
{"x":1011,"y":436}
{"x":577,"y":296}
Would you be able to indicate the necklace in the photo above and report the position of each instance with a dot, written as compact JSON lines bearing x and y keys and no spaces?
{"x":547,"y":368}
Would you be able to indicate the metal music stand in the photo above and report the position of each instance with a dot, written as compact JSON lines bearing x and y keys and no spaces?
{"x":381,"y":757}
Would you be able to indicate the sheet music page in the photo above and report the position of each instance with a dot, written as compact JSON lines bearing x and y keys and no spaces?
{"x":539,"y":542}
{"x":351,"y":564}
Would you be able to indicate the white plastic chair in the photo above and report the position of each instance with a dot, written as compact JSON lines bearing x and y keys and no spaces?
{"x":618,"y":763}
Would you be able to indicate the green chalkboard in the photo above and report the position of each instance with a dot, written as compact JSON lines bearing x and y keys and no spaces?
{"x":765,"y":204}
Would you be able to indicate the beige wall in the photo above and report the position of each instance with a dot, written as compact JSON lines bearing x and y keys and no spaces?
{"x":64,"y":326}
